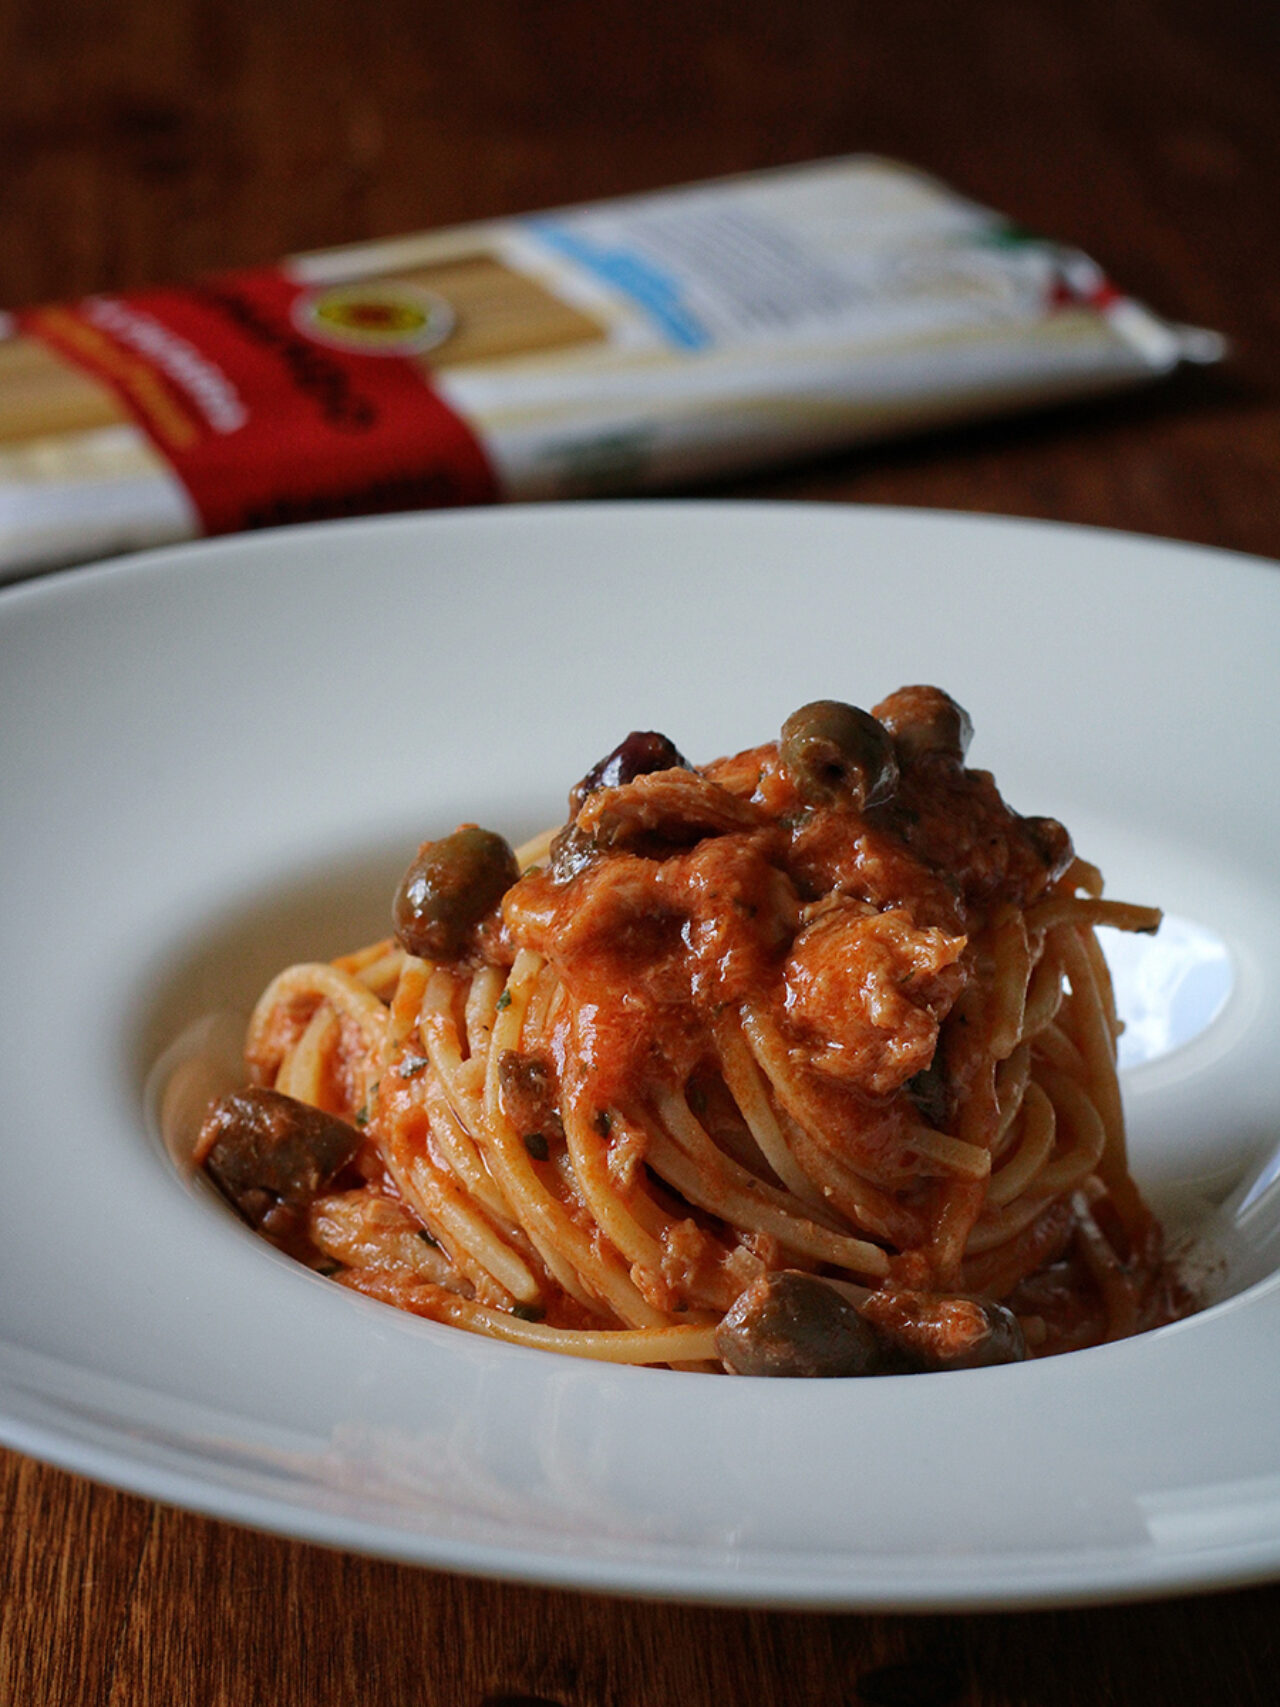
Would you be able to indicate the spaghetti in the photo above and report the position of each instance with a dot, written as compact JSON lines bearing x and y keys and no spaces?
{"x":798,"y":1062}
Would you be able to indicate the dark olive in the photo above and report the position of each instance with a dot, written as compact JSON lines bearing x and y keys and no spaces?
{"x":791,"y":1323}
{"x":838,"y":753}
{"x":926,"y":720}
{"x":924,"y":1331}
{"x":643,"y":752}
{"x":1052,"y":841}
{"x":263,"y":1148}
{"x":451,"y":885}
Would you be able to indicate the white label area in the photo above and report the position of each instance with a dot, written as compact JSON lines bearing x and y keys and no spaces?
{"x":868,"y":248}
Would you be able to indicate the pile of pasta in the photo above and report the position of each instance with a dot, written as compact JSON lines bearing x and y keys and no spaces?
{"x":799,"y":1062}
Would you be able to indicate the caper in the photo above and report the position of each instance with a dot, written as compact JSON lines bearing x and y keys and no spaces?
{"x":926,"y":720}
{"x":838,"y":753}
{"x":449,"y":888}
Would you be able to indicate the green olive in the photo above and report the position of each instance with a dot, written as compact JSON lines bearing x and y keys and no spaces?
{"x":836,"y":753}
{"x":923,"y":1331}
{"x":789,"y":1323}
{"x":926,"y":720}
{"x":449,"y":888}
{"x":263,"y":1148}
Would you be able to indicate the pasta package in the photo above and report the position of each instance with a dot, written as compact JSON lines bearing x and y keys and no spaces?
{"x":639,"y":344}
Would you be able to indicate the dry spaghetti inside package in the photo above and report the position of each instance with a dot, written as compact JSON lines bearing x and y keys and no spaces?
{"x":640,"y":344}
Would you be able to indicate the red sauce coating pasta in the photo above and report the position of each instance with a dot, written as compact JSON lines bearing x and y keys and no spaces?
{"x":820,"y":1027}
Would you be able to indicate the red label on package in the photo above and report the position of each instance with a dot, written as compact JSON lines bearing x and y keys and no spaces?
{"x":274,"y":401}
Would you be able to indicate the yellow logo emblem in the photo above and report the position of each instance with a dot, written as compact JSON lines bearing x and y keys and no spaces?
{"x":378,"y":318}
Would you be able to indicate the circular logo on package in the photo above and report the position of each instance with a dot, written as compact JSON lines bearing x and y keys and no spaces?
{"x":377,"y":318}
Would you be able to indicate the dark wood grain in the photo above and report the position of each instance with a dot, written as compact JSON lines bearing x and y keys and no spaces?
{"x":144,"y":140}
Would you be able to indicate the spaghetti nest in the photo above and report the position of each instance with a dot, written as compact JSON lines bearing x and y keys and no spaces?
{"x":798,"y":1062}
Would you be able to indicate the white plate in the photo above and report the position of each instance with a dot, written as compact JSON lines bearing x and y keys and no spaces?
{"x":215,"y":759}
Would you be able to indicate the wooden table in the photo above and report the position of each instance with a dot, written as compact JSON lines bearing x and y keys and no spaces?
{"x":143,"y":141}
